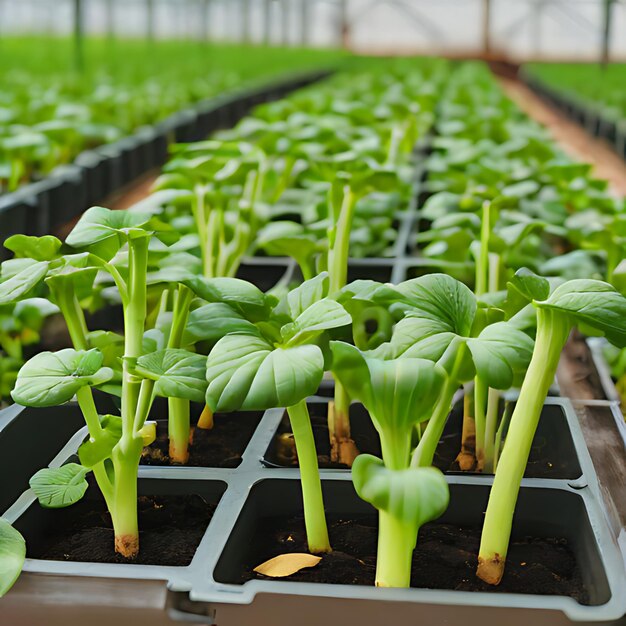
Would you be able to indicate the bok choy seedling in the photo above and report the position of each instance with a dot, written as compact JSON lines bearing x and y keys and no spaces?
{"x":278,"y":361}
{"x":349,"y":184}
{"x":442,"y":320}
{"x":398,"y":394}
{"x":114,"y":447}
{"x":591,"y":305}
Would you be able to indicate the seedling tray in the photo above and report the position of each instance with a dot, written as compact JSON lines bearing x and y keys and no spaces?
{"x":558,"y":449}
{"x":592,"y":117}
{"x":548,"y":507}
{"x":69,"y":190}
{"x":45,"y":430}
{"x":596,"y":347}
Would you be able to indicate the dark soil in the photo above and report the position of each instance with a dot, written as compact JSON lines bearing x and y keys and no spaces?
{"x":548,"y":458}
{"x":171,"y":527}
{"x":222,"y":446}
{"x":445,"y":558}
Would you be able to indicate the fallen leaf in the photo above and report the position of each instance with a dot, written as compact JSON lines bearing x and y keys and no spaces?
{"x":287,"y":564}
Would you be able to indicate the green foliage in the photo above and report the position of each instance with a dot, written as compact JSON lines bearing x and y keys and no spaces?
{"x":53,"y":378}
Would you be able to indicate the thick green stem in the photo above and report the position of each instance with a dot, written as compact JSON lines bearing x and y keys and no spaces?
{"x":482,"y":263}
{"x":424,"y":454}
{"x":491,"y":424}
{"x":212,"y":242}
{"x":504,"y":424}
{"x":314,"y":517}
{"x":84,"y":397}
{"x":339,"y":251}
{"x":199,"y":214}
{"x":124,"y":502}
{"x":144,"y":404}
{"x":179,"y":425}
{"x":552,"y":332}
{"x":179,"y":428}
{"x":396,"y":543}
{"x":396,"y":448}
{"x":73,"y":315}
{"x":480,"y":418}
{"x":134,"y":320}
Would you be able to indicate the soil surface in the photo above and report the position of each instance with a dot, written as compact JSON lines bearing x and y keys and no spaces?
{"x":222,"y":446}
{"x":171,"y":527}
{"x":445,"y":558}
{"x":546,"y":459}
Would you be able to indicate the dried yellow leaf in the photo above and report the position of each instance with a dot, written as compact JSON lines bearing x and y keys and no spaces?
{"x":287,"y":564}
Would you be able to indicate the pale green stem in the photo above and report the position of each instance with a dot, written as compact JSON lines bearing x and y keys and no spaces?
{"x":482,"y":263}
{"x":396,"y":543}
{"x":424,"y":454}
{"x":338,"y":253}
{"x":314,"y":517}
{"x":491,"y":423}
{"x":199,"y":213}
{"x":552,"y":332}
{"x":134,"y":320}
{"x":480,"y":418}
{"x":504,"y":422}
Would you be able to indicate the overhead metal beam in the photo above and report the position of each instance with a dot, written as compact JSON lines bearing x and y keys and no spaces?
{"x":605,"y":52}
{"x":150,"y":20}
{"x":246,"y":25}
{"x":79,"y":59}
{"x":266,"y":20}
{"x":487,"y":26}
{"x":110,"y":18}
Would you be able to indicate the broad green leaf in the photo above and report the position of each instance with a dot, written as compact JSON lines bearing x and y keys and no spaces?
{"x":241,"y":295}
{"x":59,"y":487}
{"x":23,"y":282}
{"x":43,"y":248}
{"x":178,"y":373}
{"x":249,"y":373}
{"x":397,"y":393}
{"x":52,"y":378}
{"x":529,"y":286}
{"x":12,"y":555}
{"x":98,"y":223}
{"x":283,"y":238}
{"x":442,"y":298}
{"x":318,"y":317}
{"x":499,"y":353}
{"x":305,"y":295}
{"x":213,"y":321}
{"x":419,"y":337}
{"x":79,"y":279}
{"x":105,"y":231}
{"x":414,"y":496}
{"x":591,"y":303}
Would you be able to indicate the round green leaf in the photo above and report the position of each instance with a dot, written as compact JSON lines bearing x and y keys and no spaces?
{"x":59,"y":487}
{"x":247,"y":372}
{"x":21,"y":283}
{"x":178,"y":373}
{"x":52,"y":378}
{"x":414,"y":496}
{"x":12,"y":555}
{"x":593,"y":304}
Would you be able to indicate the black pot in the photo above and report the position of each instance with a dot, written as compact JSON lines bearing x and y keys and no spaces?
{"x":30,"y":439}
{"x":18,"y":212}
{"x":557,"y":452}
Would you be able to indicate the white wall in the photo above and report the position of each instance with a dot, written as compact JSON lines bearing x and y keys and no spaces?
{"x":523,"y":28}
